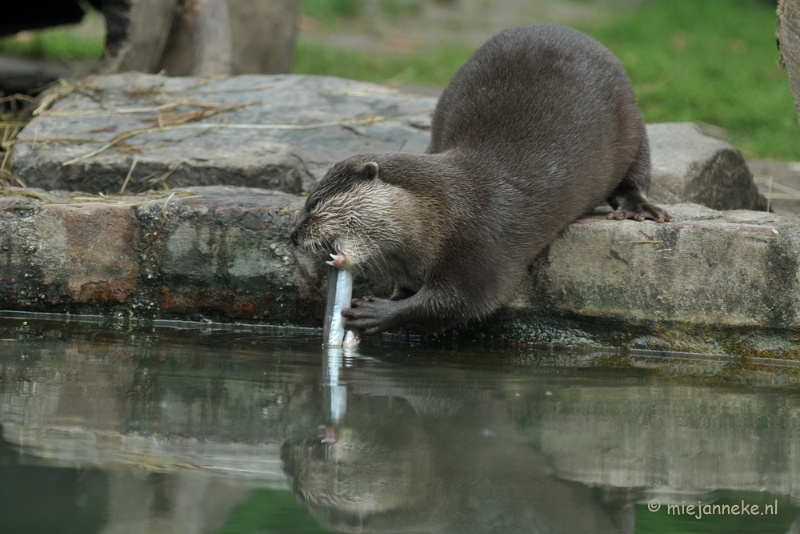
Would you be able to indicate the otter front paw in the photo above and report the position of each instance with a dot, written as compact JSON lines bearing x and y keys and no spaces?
{"x":370,"y":315}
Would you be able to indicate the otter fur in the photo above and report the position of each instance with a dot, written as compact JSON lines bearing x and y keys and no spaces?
{"x":536,"y":129}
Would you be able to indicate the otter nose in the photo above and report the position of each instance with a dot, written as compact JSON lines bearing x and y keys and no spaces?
{"x":293,"y":237}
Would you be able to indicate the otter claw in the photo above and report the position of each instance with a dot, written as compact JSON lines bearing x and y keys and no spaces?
{"x":337,"y":260}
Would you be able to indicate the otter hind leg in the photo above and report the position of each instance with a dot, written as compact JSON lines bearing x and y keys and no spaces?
{"x":629,"y":199}
{"x":633,"y":204}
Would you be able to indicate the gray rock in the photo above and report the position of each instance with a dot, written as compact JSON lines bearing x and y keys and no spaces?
{"x":222,"y":251}
{"x":276,"y":132}
{"x":691,"y":167}
{"x":733,"y":269}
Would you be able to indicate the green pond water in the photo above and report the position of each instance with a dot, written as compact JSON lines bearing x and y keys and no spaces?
{"x":121,"y":428}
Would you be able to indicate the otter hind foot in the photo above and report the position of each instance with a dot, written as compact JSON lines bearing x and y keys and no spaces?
{"x":639,"y":209}
{"x":370,"y":315}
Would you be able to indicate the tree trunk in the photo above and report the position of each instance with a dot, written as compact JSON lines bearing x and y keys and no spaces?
{"x":136,"y":32}
{"x":261,"y":34}
{"x":787,"y":35}
{"x":211,"y":43}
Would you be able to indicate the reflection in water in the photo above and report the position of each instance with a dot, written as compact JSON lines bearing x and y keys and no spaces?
{"x":179,"y":431}
{"x":390,"y":473}
{"x":67,"y":500}
{"x":423,"y":461}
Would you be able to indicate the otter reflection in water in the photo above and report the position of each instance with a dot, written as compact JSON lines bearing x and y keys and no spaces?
{"x":402,"y":463}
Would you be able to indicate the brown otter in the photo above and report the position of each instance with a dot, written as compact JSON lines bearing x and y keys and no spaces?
{"x":536,"y":129}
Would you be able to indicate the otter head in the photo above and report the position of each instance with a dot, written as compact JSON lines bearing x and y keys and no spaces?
{"x":356,"y":216}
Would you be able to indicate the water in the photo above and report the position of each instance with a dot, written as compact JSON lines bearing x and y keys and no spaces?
{"x":113,"y":428}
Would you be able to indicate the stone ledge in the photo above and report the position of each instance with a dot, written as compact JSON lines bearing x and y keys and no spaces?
{"x":732,"y":269}
{"x":218,"y":251}
{"x":223,"y":253}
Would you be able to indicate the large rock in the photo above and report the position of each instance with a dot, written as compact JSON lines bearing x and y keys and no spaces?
{"x":691,"y":167}
{"x":276,"y":132}
{"x":283,"y":132}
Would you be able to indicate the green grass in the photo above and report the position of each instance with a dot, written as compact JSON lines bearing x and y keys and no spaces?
{"x":325,"y":9}
{"x":59,"y":43}
{"x":711,"y":61}
{"x":400,"y":7}
{"x":433,"y":66}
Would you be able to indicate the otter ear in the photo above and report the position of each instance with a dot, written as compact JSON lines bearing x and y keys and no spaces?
{"x":370,"y":170}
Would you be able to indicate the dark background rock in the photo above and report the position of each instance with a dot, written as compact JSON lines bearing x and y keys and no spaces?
{"x":136,"y":32}
{"x":19,"y":75}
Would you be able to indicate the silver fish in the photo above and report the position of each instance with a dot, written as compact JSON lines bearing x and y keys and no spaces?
{"x":340,"y":292}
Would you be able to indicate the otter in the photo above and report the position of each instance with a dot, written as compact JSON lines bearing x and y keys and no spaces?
{"x":535,"y":130}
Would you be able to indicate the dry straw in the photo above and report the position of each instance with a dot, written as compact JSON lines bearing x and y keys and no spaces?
{"x":144,"y":131}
